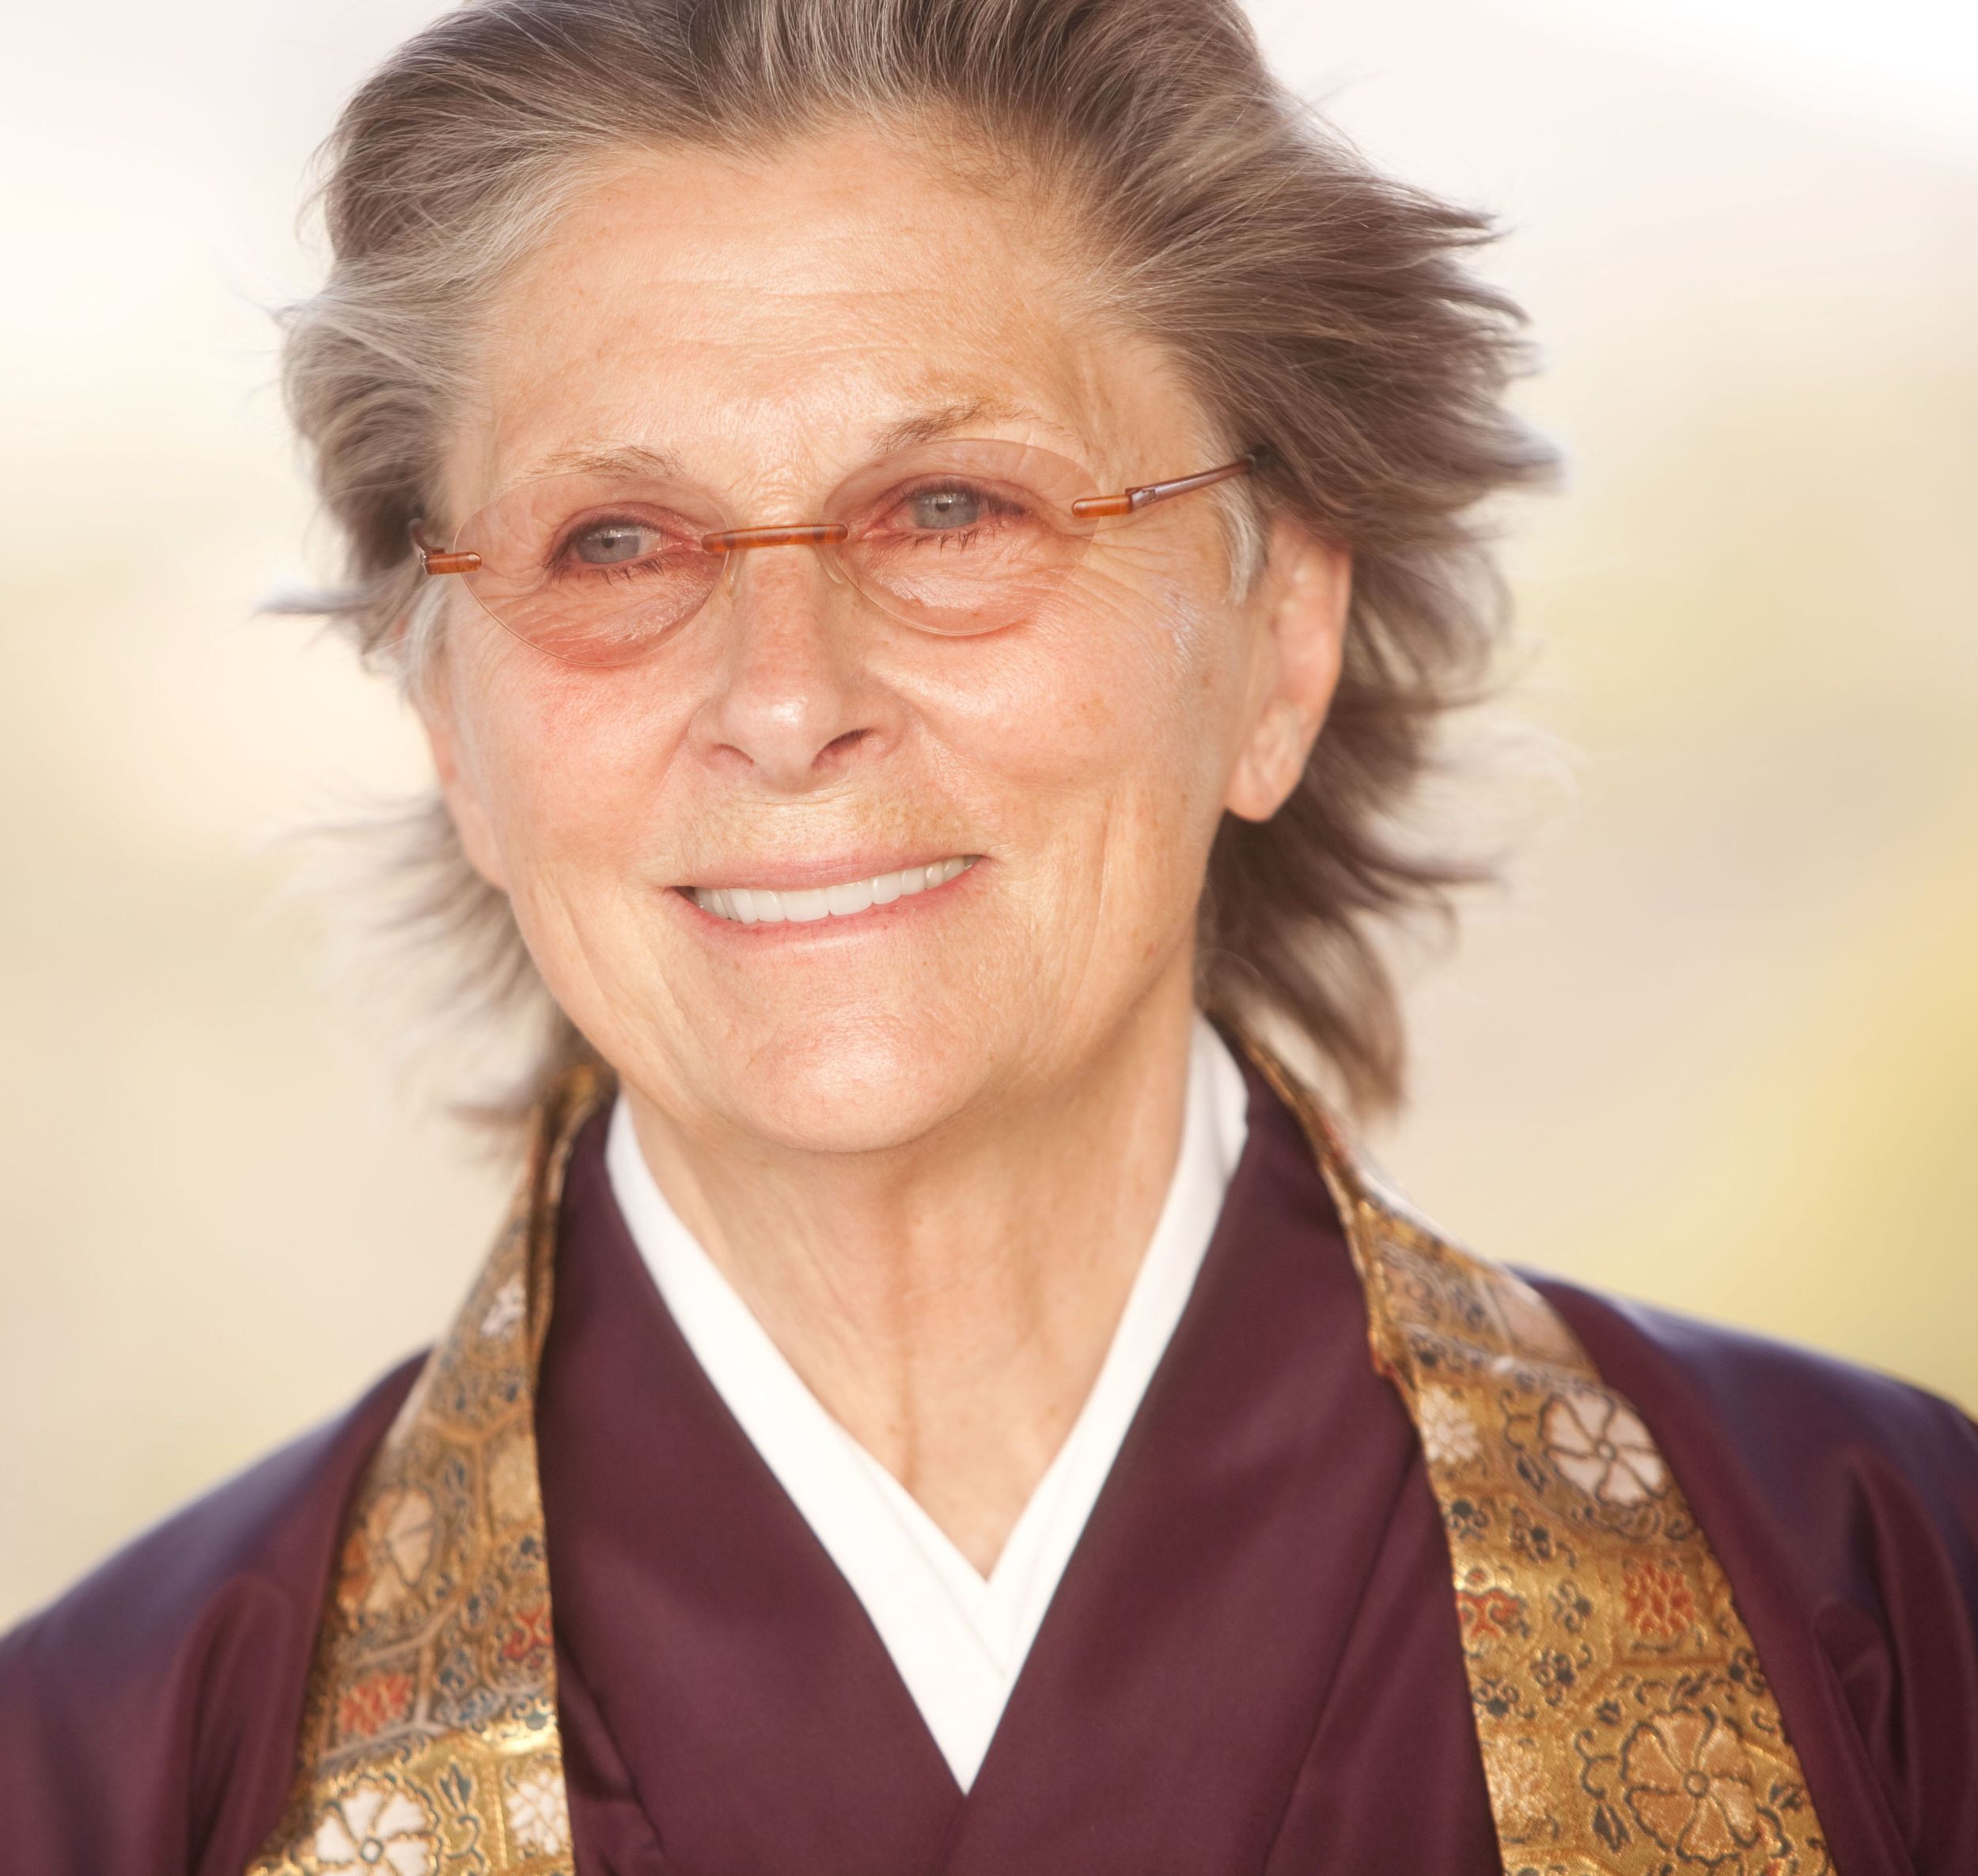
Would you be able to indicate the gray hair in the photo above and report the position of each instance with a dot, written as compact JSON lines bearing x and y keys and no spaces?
{"x":1317,"y":309}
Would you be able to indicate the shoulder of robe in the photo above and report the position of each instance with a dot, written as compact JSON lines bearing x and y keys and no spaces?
{"x":1843,"y":1505}
{"x":1793,"y":1422}
{"x":148,"y":1717}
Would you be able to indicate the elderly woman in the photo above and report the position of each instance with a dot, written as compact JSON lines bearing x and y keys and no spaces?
{"x":929,"y":538}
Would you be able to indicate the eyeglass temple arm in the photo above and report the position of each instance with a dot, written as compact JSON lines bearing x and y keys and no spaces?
{"x":1131,"y":500}
{"x":432,"y":561}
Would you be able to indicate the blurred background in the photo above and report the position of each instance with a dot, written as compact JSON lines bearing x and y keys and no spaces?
{"x":1717,"y":1046}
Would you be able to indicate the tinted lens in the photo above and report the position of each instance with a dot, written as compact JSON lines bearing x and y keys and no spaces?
{"x":593,"y":570}
{"x":950,"y":537}
{"x":963,"y":536}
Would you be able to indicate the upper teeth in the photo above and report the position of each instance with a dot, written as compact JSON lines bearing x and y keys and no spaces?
{"x":758,"y":905}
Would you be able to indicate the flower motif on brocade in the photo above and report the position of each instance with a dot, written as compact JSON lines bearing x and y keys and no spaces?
{"x":504,"y":1309}
{"x":1599,"y":1445}
{"x":1688,"y":1781}
{"x":374,"y":1827}
{"x":387,"y":1554}
{"x":538,"y":1811}
{"x":1660,"y":1607}
{"x":1448,"y":1434}
{"x":373,"y":1704}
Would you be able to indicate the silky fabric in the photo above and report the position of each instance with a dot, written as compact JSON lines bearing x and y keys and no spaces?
{"x":1251,"y":1663}
{"x":957,"y":1639}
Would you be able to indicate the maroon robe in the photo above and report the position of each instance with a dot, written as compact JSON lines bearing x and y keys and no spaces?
{"x":1252,"y":1664}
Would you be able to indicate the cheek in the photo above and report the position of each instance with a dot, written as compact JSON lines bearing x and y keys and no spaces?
{"x":565,"y":764}
{"x":1105,"y":733}
{"x":1127,"y":694}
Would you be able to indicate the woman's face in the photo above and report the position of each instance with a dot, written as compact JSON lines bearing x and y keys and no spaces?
{"x":765,"y":326}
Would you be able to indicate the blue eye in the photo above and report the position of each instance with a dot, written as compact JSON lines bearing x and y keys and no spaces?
{"x":938,"y":509}
{"x":612,"y":543}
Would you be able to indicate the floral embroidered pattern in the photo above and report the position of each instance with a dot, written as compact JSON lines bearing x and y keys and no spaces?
{"x":1601,"y":1447}
{"x":386,"y":1554}
{"x":1518,"y":1787}
{"x":1489,"y":1614}
{"x":428,"y":1744}
{"x":1689,"y":1783}
{"x":1448,"y":1434}
{"x":372,"y":1704}
{"x":374,"y":1828}
{"x":526,"y":1636}
{"x":1627,"y":1729}
{"x":539,"y":1809}
{"x":1659,"y":1605}
{"x":1626,"y":1725}
{"x":506,"y":1309}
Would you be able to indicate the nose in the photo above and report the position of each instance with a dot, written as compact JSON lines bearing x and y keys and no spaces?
{"x":792,"y":701}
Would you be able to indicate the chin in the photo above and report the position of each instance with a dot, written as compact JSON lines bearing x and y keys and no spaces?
{"x":854,"y":1082}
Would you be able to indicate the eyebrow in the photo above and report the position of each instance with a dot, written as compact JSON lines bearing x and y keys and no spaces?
{"x":948,"y":420}
{"x":629,"y":459}
{"x":921,"y":426}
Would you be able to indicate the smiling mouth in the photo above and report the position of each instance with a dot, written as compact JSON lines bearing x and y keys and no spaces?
{"x":763,"y":905}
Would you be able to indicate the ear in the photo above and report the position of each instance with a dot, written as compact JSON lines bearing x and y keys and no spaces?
{"x":434,"y":701}
{"x":1304,"y":593}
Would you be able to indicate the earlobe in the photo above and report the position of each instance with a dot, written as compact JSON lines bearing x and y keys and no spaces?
{"x":1306,"y":591}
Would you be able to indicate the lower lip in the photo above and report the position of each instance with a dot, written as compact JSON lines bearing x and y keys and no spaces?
{"x":790,"y":931}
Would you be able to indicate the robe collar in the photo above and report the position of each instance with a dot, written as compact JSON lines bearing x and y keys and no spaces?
{"x":1622,"y":1719}
{"x":1182,"y":1667}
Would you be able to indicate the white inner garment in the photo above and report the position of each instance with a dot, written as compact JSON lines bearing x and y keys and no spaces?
{"x":958,"y":1640}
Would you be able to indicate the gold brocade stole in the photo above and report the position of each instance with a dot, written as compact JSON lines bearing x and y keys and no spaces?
{"x":428,"y":1742}
{"x":1626,"y":1727}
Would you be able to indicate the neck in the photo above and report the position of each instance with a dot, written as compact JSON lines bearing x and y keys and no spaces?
{"x":950,"y":1303}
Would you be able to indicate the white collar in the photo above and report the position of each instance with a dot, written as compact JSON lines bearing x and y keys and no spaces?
{"x":958,"y":1641}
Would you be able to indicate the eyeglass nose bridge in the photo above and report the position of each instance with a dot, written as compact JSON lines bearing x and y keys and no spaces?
{"x":730,"y":544}
{"x":795,"y":534}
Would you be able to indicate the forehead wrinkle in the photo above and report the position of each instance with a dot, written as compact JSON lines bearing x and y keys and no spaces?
{"x":793,"y":361}
{"x":623,"y":244}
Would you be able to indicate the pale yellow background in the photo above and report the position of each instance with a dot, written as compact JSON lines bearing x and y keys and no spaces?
{"x":1718,"y":1047}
